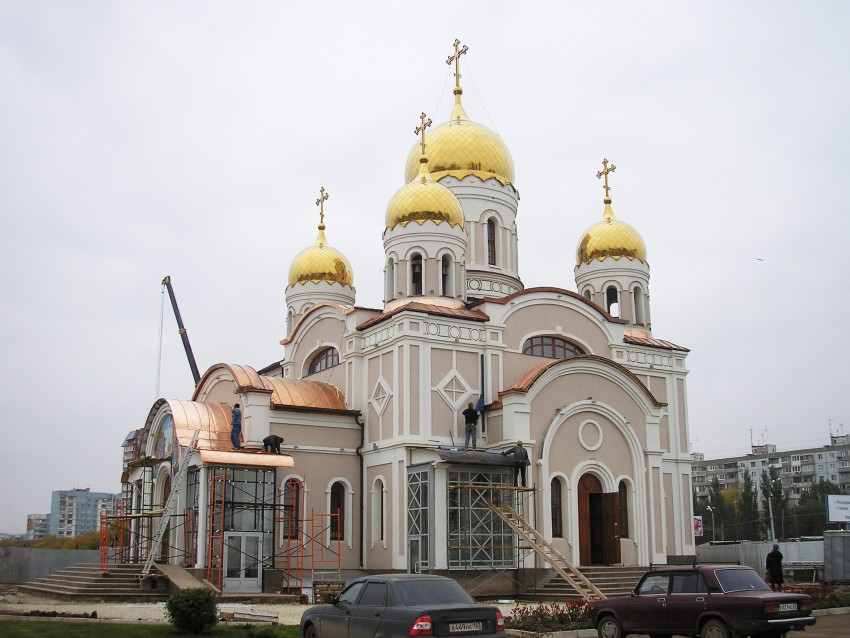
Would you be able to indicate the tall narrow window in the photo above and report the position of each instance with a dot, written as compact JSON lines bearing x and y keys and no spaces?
{"x":337,"y":512}
{"x":446,"y":276}
{"x":624,"y":509}
{"x":491,"y":242}
{"x":416,"y":274}
{"x":291,"y":499}
{"x":612,"y":301}
{"x":557,"y":510}
{"x":378,"y":511}
{"x":637,"y":296}
{"x":390,"y":292}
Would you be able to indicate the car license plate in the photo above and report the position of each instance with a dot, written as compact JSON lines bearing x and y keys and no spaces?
{"x":457,"y":627}
{"x":788,"y":607}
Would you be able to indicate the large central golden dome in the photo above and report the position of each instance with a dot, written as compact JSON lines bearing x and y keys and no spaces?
{"x":320,"y":262}
{"x":424,"y":199}
{"x":461,"y":147}
{"x":610,"y":238}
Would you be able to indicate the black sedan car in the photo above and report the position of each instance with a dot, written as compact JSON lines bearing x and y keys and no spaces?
{"x":709,"y":601}
{"x":395,"y":605}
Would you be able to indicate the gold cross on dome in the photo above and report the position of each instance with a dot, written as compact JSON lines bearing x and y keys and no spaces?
{"x":421,"y":129}
{"x":604,"y":173}
{"x":323,"y":196}
{"x":456,"y":59}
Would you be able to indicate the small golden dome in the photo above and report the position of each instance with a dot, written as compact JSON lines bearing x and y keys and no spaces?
{"x":320,"y":262}
{"x":423,"y":199}
{"x":610,"y":238}
{"x":461,"y":147}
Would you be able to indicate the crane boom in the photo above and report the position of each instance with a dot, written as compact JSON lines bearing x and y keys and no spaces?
{"x":182,"y":330}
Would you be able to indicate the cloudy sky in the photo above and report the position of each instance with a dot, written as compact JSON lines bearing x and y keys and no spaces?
{"x":190,"y":139}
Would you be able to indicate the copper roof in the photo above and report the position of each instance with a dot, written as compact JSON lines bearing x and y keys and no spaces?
{"x":429,"y":309}
{"x":283,"y":393}
{"x":523,"y":385}
{"x":641,"y":338}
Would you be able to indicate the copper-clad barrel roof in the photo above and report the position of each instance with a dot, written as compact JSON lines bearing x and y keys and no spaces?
{"x":212,"y":419}
{"x":284,"y":393}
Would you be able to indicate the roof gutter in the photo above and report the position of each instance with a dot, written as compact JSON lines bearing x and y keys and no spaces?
{"x":359,"y":452}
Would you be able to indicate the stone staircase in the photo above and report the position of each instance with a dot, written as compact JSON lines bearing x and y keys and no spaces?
{"x":88,"y":582}
{"x":610,"y":580}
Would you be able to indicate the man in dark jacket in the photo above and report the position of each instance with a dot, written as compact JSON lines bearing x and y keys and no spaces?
{"x":521,"y":461}
{"x":773,"y":564}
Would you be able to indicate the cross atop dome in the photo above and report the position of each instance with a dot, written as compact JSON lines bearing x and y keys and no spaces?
{"x":604,"y":173}
{"x":456,"y":59}
{"x":421,"y":129}
{"x":323,"y":197}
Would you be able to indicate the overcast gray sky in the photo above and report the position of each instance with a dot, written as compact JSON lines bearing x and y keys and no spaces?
{"x":190,"y":139}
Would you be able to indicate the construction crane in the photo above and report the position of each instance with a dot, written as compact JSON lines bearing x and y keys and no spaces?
{"x":182,"y":330}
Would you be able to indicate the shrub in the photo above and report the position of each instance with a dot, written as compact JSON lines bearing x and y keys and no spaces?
{"x":548,"y":617}
{"x":824,"y":595}
{"x":192,"y":611}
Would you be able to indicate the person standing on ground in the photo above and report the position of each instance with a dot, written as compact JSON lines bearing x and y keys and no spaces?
{"x":236,"y":427}
{"x":773,"y":564}
{"x":521,"y":461}
{"x":470,"y":418}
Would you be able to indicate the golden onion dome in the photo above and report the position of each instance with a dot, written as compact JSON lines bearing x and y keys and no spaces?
{"x":461,"y":147}
{"x":424,"y":199}
{"x":320,"y":262}
{"x":610,"y":238}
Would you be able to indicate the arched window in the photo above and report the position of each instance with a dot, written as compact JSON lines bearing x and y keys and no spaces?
{"x":557,"y":509}
{"x":378,"y":511}
{"x":416,"y":275}
{"x":327,"y":358}
{"x":390,"y":292}
{"x":612,"y":301}
{"x":446,"y":276}
{"x":637,"y":300}
{"x":290,"y":316}
{"x":588,"y":295}
{"x":623,"y":491}
{"x":337,"y":511}
{"x":291,"y":499}
{"x":491,"y":242}
{"x":551,"y":347}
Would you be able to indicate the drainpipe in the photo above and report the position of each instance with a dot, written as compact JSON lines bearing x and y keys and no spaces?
{"x":359,"y":451}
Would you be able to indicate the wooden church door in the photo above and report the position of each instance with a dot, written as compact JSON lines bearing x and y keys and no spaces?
{"x":598,"y":523}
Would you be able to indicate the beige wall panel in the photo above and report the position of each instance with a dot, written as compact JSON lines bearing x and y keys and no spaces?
{"x":222,"y":392}
{"x":655,"y":521}
{"x":467,"y":364}
{"x":668,"y":510}
{"x":567,"y":450}
{"x":495,"y":428}
{"x":543,"y":316}
{"x":444,"y":420}
{"x":318,"y":435}
{"x":441,"y":363}
{"x":326,"y":331}
{"x":658,"y":386}
{"x":683,"y":416}
{"x":415,"y":388}
{"x":664,"y":433}
{"x":572,"y":388}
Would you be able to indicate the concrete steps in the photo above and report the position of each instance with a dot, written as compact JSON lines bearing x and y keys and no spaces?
{"x":88,"y":582}
{"x":610,"y":580}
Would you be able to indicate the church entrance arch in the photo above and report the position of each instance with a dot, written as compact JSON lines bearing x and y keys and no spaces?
{"x":598,"y":523}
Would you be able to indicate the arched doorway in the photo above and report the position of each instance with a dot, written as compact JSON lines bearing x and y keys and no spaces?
{"x":598,"y":523}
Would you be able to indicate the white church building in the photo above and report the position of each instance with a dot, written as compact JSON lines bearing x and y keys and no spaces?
{"x":373,"y":474}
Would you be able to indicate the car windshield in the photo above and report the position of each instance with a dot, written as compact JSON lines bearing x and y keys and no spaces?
{"x":432,"y":592}
{"x":740,"y":580}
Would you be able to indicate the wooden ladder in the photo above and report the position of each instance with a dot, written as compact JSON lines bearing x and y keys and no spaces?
{"x":556,"y":559}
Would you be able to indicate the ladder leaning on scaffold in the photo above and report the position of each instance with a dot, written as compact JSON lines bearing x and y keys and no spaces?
{"x":170,"y":504}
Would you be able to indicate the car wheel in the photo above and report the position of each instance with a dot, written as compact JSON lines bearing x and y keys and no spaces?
{"x":310,"y":632}
{"x":608,"y":627}
{"x":715,"y":629}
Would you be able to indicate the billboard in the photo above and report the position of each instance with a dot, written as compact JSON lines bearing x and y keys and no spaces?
{"x":698,"y":526}
{"x":838,"y":508}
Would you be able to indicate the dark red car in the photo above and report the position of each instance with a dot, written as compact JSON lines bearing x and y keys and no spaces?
{"x":708,"y":601}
